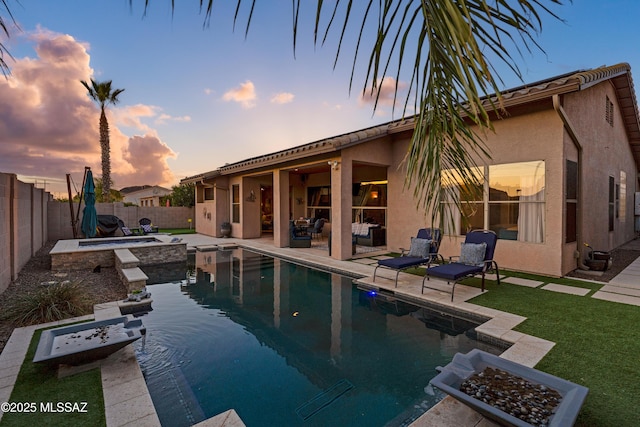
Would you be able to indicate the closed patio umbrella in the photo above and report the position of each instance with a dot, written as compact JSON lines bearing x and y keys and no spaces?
{"x":89,"y":216}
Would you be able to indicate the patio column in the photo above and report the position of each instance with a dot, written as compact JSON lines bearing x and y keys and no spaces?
{"x":341,"y":201}
{"x":280,"y":208}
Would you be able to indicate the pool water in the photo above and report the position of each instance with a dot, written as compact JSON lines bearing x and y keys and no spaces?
{"x":287,"y":345}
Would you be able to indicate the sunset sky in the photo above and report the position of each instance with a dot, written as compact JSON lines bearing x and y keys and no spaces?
{"x":197,"y":97}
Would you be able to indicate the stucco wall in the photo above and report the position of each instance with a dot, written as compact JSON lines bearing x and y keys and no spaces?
{"x":23,"y":209}
{"x":535,"y":136}
{"x":59,"y":216}
{"x":606,"y":153}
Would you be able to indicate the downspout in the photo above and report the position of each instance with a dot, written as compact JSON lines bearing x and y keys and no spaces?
{"x":557,"y":105}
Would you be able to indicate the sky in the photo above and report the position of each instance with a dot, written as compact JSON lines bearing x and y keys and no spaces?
{"x":199,"y":96}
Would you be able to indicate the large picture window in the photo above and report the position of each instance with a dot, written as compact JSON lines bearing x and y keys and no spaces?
{"x":512,"y":203}
{"x":319,"y":202}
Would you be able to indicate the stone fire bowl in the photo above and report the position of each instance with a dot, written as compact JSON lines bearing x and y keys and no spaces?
{"x":465,"y":365}
{"x":86,"y":342}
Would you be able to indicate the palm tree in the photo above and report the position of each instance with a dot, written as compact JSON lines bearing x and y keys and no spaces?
{"x":103,"y":95}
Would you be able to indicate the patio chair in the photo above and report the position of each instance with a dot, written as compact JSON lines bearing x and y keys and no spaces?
{"x":476,"y":257}
{"x":145,"y":225}
{"x":424,"y":250}
{"x":317,"y":228}
{"x":298,"y":236}
{"x":126,"y":231}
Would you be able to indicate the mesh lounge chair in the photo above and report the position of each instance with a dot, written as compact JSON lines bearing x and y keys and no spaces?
{"x":476,"y":257}
{"x":145,"y":225}
{"x":424,"y":250}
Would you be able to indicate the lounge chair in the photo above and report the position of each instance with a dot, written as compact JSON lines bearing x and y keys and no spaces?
{"x":476,"y":257}
{"x":126,"y":231}
{"x":145,"y":225}
{"x":298,"y":236}
{"x":424,"y":250}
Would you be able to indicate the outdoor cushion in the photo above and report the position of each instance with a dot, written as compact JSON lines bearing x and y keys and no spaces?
{"x":472,"y":253}
{"x":400,"y":263}
{"x":147,"y":228}
{"x":419,"y":247}
{"x":453,"y":271}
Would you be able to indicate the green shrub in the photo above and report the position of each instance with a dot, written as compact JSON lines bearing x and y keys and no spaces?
{"x":49,"y":303}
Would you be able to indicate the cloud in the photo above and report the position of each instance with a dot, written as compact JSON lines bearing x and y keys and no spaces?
{"x":49,"y":125}
{"x":245,"y":95}
{"x":387,"y":92}
{"x":282,"y":98}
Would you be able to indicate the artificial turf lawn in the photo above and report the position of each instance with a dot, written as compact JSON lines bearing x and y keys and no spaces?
{"x":38,"y":383}
{"x":597,"y":344}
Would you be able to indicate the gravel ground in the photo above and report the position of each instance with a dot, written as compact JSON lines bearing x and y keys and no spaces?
{"x":104,"y":286}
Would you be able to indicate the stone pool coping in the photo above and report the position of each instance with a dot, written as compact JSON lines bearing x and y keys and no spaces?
{"x":127,"y":399}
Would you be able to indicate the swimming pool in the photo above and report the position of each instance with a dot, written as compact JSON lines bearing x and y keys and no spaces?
{"x":284,"y":344}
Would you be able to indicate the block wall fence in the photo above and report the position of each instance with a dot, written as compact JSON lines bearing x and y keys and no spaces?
{"x":29,"y":217}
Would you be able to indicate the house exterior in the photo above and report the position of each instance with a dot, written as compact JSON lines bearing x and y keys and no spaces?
{"x":563,"y":172}
{"x":146,"y":196}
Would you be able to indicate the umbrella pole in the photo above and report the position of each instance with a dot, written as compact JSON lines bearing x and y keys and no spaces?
{"x":73,"y":221}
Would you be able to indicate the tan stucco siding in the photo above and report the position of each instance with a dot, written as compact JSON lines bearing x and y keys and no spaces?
{"x":535,"y":136}
{"x":606,"y":153}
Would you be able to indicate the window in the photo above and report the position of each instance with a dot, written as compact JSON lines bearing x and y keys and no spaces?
{"x":513,"y":205}
{"x":609,"y":111}
{"x":571,"y":202}
{"x":208,"y":193}
{"x":622,"y":200}
{"x":235,"y":203}
{"x":369,"y":202}
{"x":612,"y":201}
{"x":319,"y":202}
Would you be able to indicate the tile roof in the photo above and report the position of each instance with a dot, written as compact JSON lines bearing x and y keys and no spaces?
{"x":619,"y":75}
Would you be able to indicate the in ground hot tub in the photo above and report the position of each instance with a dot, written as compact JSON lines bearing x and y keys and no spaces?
{"x":86,"y":342}
{"x":541,"y":386}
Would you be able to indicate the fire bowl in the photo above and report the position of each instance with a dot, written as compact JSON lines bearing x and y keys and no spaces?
{"x":87,"y":342}
{"x":464,"y":366}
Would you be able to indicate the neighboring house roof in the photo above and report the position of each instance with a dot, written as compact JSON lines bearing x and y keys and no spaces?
{"x":619,"y":75}
{"x":148,"y":191}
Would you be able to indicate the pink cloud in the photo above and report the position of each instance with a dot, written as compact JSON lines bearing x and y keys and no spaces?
{"x":282,"y":98}
{"x":49,"y":125}
{"x":245,"y":94}
{"x":387,"y":92}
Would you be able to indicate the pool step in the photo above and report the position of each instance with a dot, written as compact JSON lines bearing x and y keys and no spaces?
{"x":324,"y":399}
{"x":130,"y":274}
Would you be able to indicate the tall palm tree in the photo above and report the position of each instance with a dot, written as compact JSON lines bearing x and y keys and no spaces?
{"x":101,"y":93}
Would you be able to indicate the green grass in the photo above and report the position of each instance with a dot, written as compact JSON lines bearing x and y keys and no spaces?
{"x":37,"y":383}
{"x":597,"y":343}
{"x":178,"y":230}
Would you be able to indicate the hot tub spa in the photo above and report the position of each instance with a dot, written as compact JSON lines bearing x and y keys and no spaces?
{"x":81,"y":254}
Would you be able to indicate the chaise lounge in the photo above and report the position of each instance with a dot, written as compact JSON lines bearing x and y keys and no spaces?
{"x":424,"y":250}
{"x":476,"y":257}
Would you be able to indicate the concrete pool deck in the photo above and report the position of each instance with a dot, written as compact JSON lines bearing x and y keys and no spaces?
{"x":127,"y":400}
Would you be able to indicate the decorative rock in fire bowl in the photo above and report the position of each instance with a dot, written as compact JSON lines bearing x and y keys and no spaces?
{"x":510,"y":393}
{"x":87,"y":342}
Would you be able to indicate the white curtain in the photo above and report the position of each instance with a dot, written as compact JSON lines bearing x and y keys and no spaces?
{"x":531,"y":218}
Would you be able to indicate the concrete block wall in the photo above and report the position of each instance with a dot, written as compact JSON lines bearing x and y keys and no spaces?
{"x":59,"y":216}
{"x":23,"y":211}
